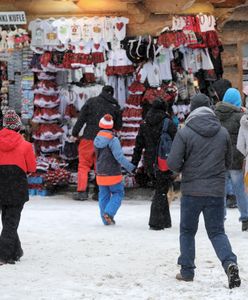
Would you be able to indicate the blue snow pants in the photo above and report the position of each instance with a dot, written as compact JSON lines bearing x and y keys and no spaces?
{"x":110,"y":197}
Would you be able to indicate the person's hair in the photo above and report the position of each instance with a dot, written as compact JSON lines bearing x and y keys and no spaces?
{"x":159,"y":103}
{"x":108,"y":89}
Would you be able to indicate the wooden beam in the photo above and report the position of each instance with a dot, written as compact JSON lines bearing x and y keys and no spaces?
{"x":229,"y":3}
{"x":167,"y":7}
{"x":153,"y":25}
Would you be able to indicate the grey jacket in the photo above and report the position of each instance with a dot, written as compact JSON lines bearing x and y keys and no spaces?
{"x":242,"y":143}
{"x":202,"y":151}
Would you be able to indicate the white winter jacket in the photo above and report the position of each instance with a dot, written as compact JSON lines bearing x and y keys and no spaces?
{"x":242,"y":142}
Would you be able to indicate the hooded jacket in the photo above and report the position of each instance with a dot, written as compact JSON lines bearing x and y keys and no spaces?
{"x":202,"y":152}
{"x":109,"y":159}
{"x":230,"y":116}
{"x":16,"y":159}
{"x":91,"y":113}
{"x":148,"y":137}
{"x":242,"y":142}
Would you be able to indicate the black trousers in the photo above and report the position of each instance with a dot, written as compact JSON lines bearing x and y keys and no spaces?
{"x":10,"y":245}
{"x":160,"y":213}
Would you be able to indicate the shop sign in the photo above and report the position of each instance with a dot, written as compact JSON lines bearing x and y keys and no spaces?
{"x":12,"y":18}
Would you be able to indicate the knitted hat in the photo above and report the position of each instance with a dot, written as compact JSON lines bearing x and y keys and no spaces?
{"x":11,"y":120}
{"x":106,"y":122}
{"x":199,"y":100}
{"x":233,"y":97}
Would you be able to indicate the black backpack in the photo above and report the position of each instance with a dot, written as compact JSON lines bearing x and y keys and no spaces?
{"x":164,"y":147}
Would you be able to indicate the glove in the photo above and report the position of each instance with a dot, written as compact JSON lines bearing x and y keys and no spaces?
{"x":73,"y":139}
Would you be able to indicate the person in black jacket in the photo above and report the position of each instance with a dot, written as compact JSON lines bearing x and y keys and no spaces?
{"x":230,"y":113}
{"x":220,"y":87}
{"x":147,"y":139}
{"x":90,"y":115}
{"x":202,"y":151}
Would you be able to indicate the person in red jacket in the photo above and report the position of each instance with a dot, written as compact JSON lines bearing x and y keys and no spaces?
{"x":16,"y":159}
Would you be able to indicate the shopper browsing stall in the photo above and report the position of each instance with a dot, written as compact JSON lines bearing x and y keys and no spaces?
{"x":147,"y":140}
{"x":90,"y":115}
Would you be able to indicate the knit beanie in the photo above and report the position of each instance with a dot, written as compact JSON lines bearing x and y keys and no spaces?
{"x":232,"y":96}
{"x":11,"y":120}
{"x":106,"y":122}
{"x":199,"y":100}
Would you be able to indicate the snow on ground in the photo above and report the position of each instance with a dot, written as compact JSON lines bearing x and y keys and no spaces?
{"x":70,"y":255}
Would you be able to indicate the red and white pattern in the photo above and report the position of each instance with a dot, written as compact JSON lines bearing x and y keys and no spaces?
{"x":46,"y":101}
{"x":48,"y":132}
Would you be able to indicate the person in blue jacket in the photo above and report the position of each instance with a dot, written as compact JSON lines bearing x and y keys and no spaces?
{"x":109,"y":160}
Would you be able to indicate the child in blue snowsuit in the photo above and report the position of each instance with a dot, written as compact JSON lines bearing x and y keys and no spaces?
{"x":109,"y":159}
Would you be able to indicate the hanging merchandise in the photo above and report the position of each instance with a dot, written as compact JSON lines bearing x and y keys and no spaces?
{"x":27,"y":108}
{"x":75,"y":57}
{"x":119,"y":71}
{"x":132,"y":116}
{"x":174,"y":67}
{"x":14,"y":44}
{"x":50,"y":33}
{"x":50,"y":174}
{"x":48,"y":137}
{"x":195,"y":32}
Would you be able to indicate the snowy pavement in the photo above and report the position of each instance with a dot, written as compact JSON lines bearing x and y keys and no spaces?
{"x":70,"y":255}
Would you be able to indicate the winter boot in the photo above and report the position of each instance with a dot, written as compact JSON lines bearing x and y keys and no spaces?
{"x":181,"y":278}
{"x":155,"y":228}
{"x":231,"y":201}
{"x":245,"y":225}
{"x":109,"y":220}
{"x":80,"y":196}
{"x":233,"y":276}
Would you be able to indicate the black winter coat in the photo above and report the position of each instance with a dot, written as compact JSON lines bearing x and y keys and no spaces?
{"x":16,"y":158}
{"x":229,"y":116}
{"x":91,"y":113}
{"x":148,"y":137}
{"x":14,"y":186}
